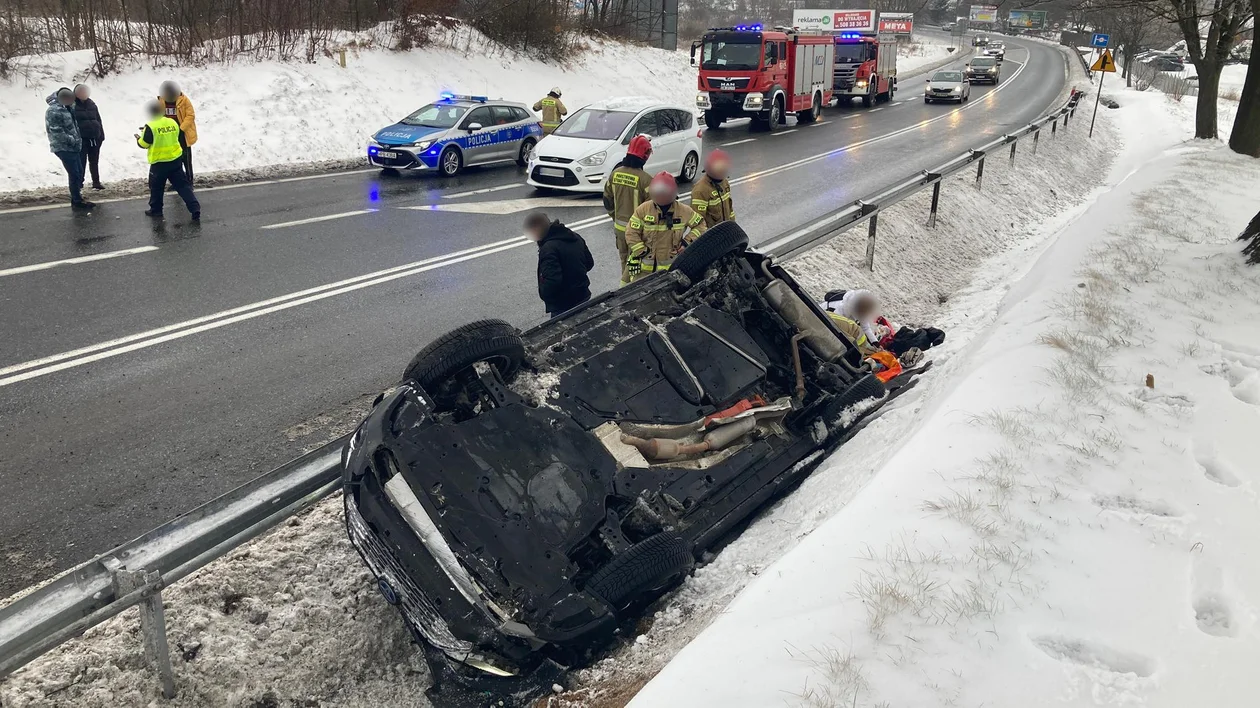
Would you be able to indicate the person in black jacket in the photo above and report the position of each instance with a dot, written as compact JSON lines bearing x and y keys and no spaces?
{"x":91,"y":129}
{"x":563,"y":262}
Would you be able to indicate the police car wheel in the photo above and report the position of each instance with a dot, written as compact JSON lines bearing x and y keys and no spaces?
{"x":527,"y":152}
{"x":451,"y":162}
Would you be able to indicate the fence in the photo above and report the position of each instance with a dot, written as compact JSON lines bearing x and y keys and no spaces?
{"x":136,"y":572}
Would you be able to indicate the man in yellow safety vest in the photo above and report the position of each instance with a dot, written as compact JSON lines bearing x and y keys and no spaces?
{"x":160,"y":137}
{"x":553,"y":111}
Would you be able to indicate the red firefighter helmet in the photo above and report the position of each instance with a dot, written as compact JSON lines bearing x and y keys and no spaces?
{"x":663,"y":184}
{"x":640,"y":147}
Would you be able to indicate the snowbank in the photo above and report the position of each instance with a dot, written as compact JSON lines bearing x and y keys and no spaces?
{"x":1073,"y":521}
{"x":254,"y":114}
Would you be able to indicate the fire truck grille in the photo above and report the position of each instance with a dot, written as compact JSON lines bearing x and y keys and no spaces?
{"x":845,"y":77}
{"x":731,"y":84}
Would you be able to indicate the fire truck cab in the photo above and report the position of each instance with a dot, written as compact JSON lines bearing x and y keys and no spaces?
{"x":866,"y":67}
{"x":746,"y":71}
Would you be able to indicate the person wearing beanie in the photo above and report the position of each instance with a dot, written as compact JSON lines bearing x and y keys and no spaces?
{"x":563,"y":264}
{"x":711,"y":197}
{"x":66,"y":143}
{"x":624,"y":190}
{"x":553,"y":111}
{"x":660,"y":228}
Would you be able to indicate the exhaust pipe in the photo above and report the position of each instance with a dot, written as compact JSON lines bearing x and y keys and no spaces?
{"x":716,"y":439}
{"x":792,"y":308}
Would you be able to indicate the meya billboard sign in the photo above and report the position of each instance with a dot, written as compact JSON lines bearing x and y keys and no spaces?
{"x":834,"y":20}
{"x":896,"y":23}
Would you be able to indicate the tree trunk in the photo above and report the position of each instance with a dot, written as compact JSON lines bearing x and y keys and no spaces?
{"x":1205,"y":109}
{"x":1245,"y":137}
{"x":1251,"y":235}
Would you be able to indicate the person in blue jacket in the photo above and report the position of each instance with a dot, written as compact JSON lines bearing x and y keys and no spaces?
{"x":65,"y":141}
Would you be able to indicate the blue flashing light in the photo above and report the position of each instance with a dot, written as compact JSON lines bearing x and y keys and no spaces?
{"x":850,"y":35}
{"x":448,"y":96}
{"x":372,"y":150}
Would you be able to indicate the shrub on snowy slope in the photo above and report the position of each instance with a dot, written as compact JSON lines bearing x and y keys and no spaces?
{"x":1251,"y":235}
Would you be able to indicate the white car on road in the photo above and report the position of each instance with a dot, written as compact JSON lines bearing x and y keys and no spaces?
{"x":578,"y":156}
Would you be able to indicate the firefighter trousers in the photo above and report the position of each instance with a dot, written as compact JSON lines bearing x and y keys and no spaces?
{"x":623,"y":254}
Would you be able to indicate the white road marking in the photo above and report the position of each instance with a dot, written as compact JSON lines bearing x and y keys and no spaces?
{"x":96,"y":352}
{"x":238,"y":185}
{"x":739,"y":142}
{"x":487,"y":190}
{"x":849,"y":117}
{"x":72,"y":261}
{"x":876,"y":110}
{"x":785,"y":132}
{"x":316,"y":219}
{"x":821,"y":122}
{"x":507,"y":206}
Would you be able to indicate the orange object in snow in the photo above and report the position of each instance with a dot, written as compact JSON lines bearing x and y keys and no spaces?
{"x":892,"y":366}
{"x":744,"y":405}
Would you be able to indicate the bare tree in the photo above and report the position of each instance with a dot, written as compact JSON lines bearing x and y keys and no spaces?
{"x":1210,"y":29}
{"x":1251,"y":235}
{"x":1245,"y":137}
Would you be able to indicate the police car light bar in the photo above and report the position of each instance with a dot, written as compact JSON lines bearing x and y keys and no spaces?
{"x":448,"y":96}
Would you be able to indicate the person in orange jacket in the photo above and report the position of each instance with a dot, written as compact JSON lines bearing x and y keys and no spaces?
{"x":180,"y":109}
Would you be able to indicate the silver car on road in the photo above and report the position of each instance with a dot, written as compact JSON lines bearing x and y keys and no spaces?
{"x":949,"y":85}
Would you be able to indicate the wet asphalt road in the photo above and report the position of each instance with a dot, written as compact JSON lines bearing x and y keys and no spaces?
{"x":136,"y":387}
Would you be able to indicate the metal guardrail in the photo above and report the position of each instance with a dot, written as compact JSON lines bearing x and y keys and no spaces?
{"x":136,"y":572}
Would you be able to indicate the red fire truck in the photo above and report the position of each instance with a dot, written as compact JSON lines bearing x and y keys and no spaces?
{"x":866,"y":67}
{"x":763,"y":75}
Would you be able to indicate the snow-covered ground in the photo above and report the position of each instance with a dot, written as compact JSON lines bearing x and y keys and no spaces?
{"x":1069,"y":517}
{"x":255,"y":114}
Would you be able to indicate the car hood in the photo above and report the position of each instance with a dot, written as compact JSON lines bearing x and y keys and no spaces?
{"x":403,"y":134}
{"x":577,"y":148}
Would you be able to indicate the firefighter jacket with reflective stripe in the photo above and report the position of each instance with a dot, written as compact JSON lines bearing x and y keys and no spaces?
{"x":624,"y":190}
{"x":553,"y":111}
{"x":712,"y":200}
{"x":655,"y":234}
{"x":161,"y":139}
{"x":853,"y":331}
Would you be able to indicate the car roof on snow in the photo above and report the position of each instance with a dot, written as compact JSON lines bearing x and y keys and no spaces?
{"x":630,"y":104}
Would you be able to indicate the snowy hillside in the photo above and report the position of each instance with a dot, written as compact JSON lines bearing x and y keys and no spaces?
{"x":253,"y":114}
{"x":1073,"y":519}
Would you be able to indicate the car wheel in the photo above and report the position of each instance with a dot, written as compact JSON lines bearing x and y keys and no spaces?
{"x":869,"y":99}
{"x":527,"y":152}
{"x":720,"y":241}
{"x":864,"y":389}
{"x":690,"y":166}
{"x":812,"y":114}
{"x":776,"y":115}
{"x":451,"y":162}
{"x":494,"y":342}
{"x":712,"y":120}
{"x":650,"y":564}
{"x":926,"y":100}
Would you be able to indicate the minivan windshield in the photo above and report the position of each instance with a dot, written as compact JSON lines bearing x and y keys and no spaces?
{"x":595,"y":124}
{"x":436,"y":115}
{"x":732,"y":55}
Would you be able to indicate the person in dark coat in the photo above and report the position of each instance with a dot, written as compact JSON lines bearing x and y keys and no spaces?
{"x":563,"y":262}
{"x":65,"y":143}
{"x":91,"y":130}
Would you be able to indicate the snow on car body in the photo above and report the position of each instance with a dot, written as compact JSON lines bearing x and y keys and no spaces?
{"x":454,"y":132}
{"x":518,"y":532}
{"x":586,"y":147}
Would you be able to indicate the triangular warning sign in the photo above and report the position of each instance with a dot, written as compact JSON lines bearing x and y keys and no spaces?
{"x":1104,"y":63}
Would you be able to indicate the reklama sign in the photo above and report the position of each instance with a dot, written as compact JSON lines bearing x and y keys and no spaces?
{"x":896,"y":23}
{"x":834,"y":20}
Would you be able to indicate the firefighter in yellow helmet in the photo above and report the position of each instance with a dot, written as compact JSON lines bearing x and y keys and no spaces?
{"x":624,"y":190}
{"x":711,"y":197}
{"x":161,"y":138}
{"x":553,"y":111}
{"x":660,"y":228}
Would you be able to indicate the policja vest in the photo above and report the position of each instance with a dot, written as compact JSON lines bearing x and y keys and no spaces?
{"x":165,"y":147}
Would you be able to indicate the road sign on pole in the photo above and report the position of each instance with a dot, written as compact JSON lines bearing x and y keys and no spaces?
{"x":1100,"y":40}
{"x":1105,"y":63}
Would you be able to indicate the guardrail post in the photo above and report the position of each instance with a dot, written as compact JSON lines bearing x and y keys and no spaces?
{"x":152,"y":621}
{"x":1054,"y":127}
{"x":870,"y":243}
{"x":1036,"y":137}
{"x":1013,"y":144}
{"x":980,"y":173}
{"x":936,"y":198}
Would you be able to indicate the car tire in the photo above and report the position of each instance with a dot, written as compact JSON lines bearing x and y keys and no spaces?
{"x":712,"y":120}
{"x":690,"y":168}
{"x":647,"y":565}
{"x":776,"y":115}
{"x":814,"y":112}
{"x":720,"y":241}
{"x":492,"y":341}
{"x":527,"y":150}
{"x":450,"y":162}
{"x":926,"y":100}
{"x":864,"y":389}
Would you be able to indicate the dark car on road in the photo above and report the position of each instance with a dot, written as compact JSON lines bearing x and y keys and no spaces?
{"x":522,"y":496}
{"x":983,"y":69}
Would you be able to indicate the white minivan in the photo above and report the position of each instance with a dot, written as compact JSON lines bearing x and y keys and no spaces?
{"x":578,"y":156}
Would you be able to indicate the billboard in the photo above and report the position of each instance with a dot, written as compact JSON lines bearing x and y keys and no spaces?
{"x":896,"y":22}
{"x":1027,"y":19}
{"x":834,"y":20}
{"x":983,"y":13}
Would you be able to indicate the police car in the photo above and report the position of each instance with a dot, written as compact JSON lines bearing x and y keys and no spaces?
{"x":454,"y":132}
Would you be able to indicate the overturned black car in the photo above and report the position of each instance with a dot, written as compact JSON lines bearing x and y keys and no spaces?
{"x":521,"y":494}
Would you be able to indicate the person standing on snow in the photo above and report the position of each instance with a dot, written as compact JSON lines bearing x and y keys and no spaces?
{"x":563,"y":264}
{"x":92,"y":130}
{"x":624,"y":190}
{"x":660,"y":228}
{"x":161,"y":138}
{"x":553,"y":111}
{"x":177,"y":107}
{"x":66,"y":143}
{"x":711,"y":196}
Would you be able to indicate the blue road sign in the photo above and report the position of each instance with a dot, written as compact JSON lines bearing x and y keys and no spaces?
{"x":1100,"y":40}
